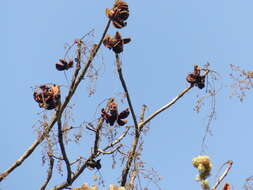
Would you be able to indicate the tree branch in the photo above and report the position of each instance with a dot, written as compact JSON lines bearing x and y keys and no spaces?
{"x":118,"y":140}
{"x":229,"y":166}
{"x":63,"y":151}
{"x":169,"y":104}
{"x":118,"y":63}
{"x":49,"y":173}
{"x":110,"y":152}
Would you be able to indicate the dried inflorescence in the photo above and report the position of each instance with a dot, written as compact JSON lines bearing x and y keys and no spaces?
{"x":112,"y":115}
{"x":64,"y":65}
{"x":86,"y":187}
{"x":47,"y":96}
{"x":226,"y":187}
{"x":204,"y":166}
{"x":114,"y":187}
{"x":118,"y":14}
{"x":115,"y":43}
{"x":195,"y":78}
{"x":94,"y":164}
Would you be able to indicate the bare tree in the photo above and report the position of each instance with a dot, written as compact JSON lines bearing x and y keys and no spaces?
{"x":49,"y":97}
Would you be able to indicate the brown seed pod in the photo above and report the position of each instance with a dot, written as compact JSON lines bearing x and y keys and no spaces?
{"x":118,"y":14}
{"x":195,"y":78}
{"x":64,"y":65}
{"x":115,"y":43}
{"x":47,"y":96}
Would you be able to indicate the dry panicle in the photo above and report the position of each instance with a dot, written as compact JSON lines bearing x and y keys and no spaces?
{"x":118,"y":14}
{"x":116,"y":43}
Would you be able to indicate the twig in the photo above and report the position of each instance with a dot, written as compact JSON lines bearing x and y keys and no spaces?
{"x":63,"y":151}
{"x":110,"y":152}
{"x":80,"y":158}
{"x":118,"y":140}
{"x":229,"y":166}
{"x":126,"y":91}
{"x":169,"y":104}
{"x":91,"y":129}
{"x":49,"y":173}
{"x":143,"y":109}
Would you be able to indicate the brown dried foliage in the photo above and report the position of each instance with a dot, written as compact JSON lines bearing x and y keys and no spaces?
{"x":195,"y":78}
{"x":47,"y":96}
{"x":118,"y":14}
{"x":64,"y":65}
{"x":115,"y":43}
{"x":112,"y":114}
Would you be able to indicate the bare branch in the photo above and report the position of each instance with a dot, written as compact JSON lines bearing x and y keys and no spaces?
{"x":118,"y":140}
{"x":78,"y":159}
{"x":63,"y":151}
{"x":229,"y":166}
{"x":112,"y":151}
{"x":169,"y":104}
{"x":49,"y":173}
{"x":126,"y":92}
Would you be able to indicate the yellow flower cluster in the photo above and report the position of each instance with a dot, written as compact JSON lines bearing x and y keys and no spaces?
{"x":204,"y":166}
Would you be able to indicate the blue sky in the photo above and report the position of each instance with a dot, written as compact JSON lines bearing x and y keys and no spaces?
{"x":168,"y":38}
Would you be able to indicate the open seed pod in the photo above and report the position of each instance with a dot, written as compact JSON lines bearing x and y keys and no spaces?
{"x":195,"y":78}
{"x":115,"y":43}
{"x":47,"y":96}
{"x":118,"y":14}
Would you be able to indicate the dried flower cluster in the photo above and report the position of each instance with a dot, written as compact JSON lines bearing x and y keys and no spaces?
{"x":113,"y":187}
{"x":64,"y":65}
{"x":47,"y":96}
{"x":112,"y":115}
{"x":195,"y":78}
{"x":94,"y":164}
{"x":204,"y":166}
{"x":86,"y":187}
{"x":226,"y":187}
{"x":118,"y":14}
{"x":115,"y":43}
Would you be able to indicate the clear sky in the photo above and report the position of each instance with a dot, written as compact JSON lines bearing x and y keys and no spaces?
{"x":168,"y":38}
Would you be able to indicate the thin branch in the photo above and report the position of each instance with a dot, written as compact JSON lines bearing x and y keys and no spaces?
{"x":169,"y":104}
{"x":225,"y":173}
{"x":78,"y":159}
{"x":49,"y":173}
{"x":118,"y":140}
{"x":29,"y":150}
{"x":110,"y":152}
{"x":91,"y":129}
{"x":63,"y":151}
{"x":71,"y":91}
{"x":118,"y":63}
{"x":143,"y":109}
